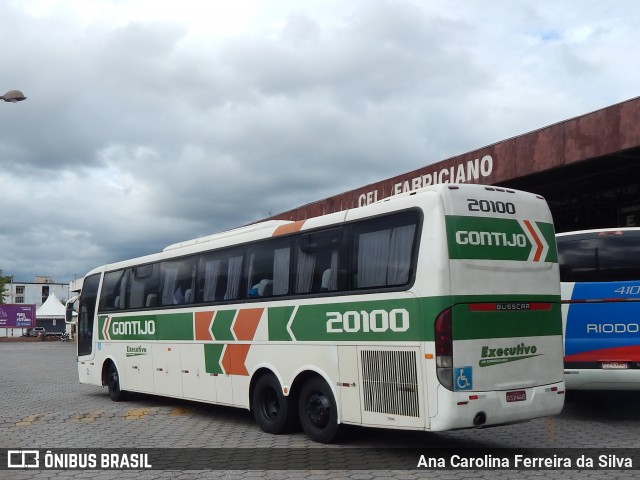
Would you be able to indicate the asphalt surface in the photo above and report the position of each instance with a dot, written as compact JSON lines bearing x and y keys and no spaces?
{"x":44,"y":407}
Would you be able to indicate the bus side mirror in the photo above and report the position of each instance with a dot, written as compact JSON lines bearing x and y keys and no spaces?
{"x":69,"y":312}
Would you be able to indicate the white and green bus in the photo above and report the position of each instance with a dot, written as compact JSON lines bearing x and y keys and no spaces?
{"x":431,"y":310}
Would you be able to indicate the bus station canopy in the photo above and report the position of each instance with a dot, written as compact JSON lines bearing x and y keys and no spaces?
{"x":51,"y":308}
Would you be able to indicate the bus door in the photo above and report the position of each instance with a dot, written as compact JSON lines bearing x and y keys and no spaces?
{"x":87,"y":303}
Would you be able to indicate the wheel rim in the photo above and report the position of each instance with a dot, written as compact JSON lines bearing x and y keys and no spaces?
{"x":318,"y":410}
{"x":270,"y":404}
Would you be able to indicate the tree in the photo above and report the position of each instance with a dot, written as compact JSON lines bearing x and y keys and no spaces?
{"x":3,"y":282}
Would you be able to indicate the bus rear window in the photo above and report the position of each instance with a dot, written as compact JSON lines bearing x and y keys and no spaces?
{"x":608,"y":256}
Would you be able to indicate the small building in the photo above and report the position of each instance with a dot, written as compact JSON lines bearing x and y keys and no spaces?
{"x":37,"y":292}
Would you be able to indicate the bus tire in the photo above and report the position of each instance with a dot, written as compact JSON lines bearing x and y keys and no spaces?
{"x":318,"y":411}
{"x":112,"y":381}
{"x":271,"y":409}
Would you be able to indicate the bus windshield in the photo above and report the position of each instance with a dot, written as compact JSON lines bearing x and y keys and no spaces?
{"x":608,"y":256}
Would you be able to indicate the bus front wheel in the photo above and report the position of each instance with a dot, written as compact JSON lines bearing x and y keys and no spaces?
{"x":318,"y":412}
{"x":271,"y":409}
{"x":112,"y":381}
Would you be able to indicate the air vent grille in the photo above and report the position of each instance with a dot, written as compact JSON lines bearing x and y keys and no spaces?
{"x":390,"y":382}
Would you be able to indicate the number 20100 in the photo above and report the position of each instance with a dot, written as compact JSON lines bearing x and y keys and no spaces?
{"x":490,"y":206}
{"x":377,"y":321}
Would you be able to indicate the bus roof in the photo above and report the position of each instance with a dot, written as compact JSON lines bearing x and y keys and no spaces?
{"x":598,"y":230}
{"x":267,"y":228}
{"x":254,"y":227}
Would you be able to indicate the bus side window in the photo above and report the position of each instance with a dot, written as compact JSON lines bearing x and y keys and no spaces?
{"x":268,"y":269}
{"x":219,"y":275}
{"x":318,"y":261}
{"x":210,"y":278}
{"x":143,"y":287}
{"x":178,"y":281}
{"x":113,"y":294}
{"x":281,"y":268}
{"x":234,"y":275}
{"x":384,"y":254}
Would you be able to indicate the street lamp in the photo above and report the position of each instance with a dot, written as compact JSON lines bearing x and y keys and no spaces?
{"x":13,"y":96}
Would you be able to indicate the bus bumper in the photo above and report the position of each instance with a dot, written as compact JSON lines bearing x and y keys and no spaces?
{"x":598,"y":379}
{"x":89,"y":373}
{"x":481,"y":409}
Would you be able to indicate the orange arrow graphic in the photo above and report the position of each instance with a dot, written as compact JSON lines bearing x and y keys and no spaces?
{"x":539,"y":245}
{"x":235,"y":354}
{"x":203,"y":325}
{"x":105,"y":328}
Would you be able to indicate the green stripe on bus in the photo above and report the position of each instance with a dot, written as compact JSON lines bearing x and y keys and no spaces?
{"x":386,"y":320}
{"x":471,"y":325}
{"x":394,"y":320}
{"x":221,"y":328}
{"x":177,"y":326}
{"x":169,"y":326}
{"x":488,"y":238}
{"x":212,"y":355}
{"x":278,"y":320}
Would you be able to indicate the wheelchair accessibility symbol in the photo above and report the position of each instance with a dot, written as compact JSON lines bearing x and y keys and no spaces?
{"x":463,"y":378}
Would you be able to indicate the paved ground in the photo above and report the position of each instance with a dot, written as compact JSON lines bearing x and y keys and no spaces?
{"x":42,"y":406}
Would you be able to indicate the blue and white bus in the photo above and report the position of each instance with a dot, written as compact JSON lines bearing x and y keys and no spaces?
{"x":600,"y":275}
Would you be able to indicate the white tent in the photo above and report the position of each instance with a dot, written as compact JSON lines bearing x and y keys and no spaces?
{"x":51,"y":308}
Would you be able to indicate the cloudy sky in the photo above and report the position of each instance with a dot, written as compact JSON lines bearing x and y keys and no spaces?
{"x":150,"y":122}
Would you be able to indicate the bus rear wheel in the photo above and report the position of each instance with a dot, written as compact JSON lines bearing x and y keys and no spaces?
{"x":112,"y":381}
{"x":272,"y":410}
{"x":318,"y":411}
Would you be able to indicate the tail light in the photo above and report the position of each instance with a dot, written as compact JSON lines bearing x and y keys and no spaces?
{"x":444,"y":349}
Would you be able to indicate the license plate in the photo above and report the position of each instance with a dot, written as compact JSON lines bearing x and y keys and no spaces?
{"x":615,"y":365}
{"x":517,"y":396}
